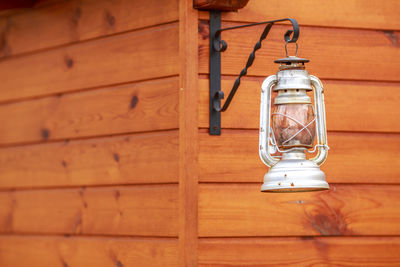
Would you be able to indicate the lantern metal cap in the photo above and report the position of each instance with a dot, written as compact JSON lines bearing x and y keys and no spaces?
{"x":291,"y":59}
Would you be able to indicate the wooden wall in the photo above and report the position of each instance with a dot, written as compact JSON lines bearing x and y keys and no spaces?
{"x":105,"y":157}
{"x":354,"y":48}
{"x":89,"y":130}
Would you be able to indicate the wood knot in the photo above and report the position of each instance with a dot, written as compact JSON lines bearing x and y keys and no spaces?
{"x":392,"y":37}
{"x":117,"y":195}
{"x":76,"y":16}
{"x":45,"y":133}
{"x":110,"y":19}
{"x":69,"y":62}
{"x":204,"y":30}
{"x":134,"y":102}
{"x":116,"y":157}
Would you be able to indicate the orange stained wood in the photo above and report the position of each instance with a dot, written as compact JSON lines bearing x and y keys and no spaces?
{"x":340,"y":13}
{"x":127,"y":159}
{"x":302,"y":251}
{"x":225,"y":5}
{"x":39,"y":251}
{"x":350,"y":105}
{"x":188,"y":134}
{"x":241,"y":210}
{"x":141,"y":210}
{"x":353,"y":157}
{"x":137,"y":107}
{"x":334,"y":53}
{"x":134,"y":56}
{"x":67,"y":22}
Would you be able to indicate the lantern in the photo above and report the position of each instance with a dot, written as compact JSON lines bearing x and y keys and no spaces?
{"x":292,"y":126}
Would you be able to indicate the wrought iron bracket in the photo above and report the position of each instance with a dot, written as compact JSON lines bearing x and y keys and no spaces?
{"x":217,"y":46}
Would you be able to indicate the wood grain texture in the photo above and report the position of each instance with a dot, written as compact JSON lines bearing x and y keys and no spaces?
{"x":128,"y":159}
{"x":233,"y":157}
{"x":304,"y":251}
{"x":129,"y":57}
{"x":144,"y":106}
{"x":224,"y":5}
{"x":147,"y":210}
{"x":242,"y":210}
{"x":357,"y":14}
{"x":188,"y":134}
{"x":66,"y":22}
{"x":334,"y":53}
{"x":350,"y":106}
{"x":39,"y":251}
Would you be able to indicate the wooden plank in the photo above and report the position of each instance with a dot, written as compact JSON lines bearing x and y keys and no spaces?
{"x":334,"y":53}
{"x":134,"y":56}
{"x":39,"y":251}
{"x":353,"y":158}
{"x":146,"y":210}
{"x":242,"y":210}
{"x":358,"y":14}
{"x":350,"y":106}
{"x":188,"y":133}
{"x":66,"y":22}
{"x":129,"y":159}
{"x":303,"y":251}
{"x":145,"y":106}
{"x":225,"y":5}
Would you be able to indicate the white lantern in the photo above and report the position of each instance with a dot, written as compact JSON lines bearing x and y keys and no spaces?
{"x":288,"y":128}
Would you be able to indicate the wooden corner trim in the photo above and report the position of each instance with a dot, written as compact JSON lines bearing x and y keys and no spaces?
{"x":223,"y":5}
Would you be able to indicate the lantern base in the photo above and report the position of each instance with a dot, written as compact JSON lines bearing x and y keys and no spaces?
{"x":294,"y":175}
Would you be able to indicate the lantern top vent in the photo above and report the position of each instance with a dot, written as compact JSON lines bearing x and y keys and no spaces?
{"x":291,"y":62}
{"x":291,"y":59}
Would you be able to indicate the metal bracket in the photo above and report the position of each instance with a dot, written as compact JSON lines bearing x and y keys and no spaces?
{"x":217,"y":46}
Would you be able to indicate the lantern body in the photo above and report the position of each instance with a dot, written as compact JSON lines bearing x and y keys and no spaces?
{"x":289,"y":126}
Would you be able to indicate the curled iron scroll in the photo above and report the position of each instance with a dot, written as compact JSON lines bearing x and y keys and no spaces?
{"x":291,"y":36}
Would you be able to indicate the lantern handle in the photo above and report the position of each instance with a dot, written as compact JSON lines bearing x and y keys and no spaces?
{"x":265,"y":110}
{"x":322,"y":145}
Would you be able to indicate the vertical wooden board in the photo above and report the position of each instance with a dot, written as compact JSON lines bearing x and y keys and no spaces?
{"x":129,"y":159}
{"x":229,"y":210}
{"x":72,"y":21}
{"x":134,"y":210}
{"x":139,"y":55}
{"x":39,"y":251}
{"x":350,"y":105}
{"x":188,"y":134}
{"x":145,"y":106}
{"x":233,"y":157}
{"x":333,"y":53}
{"x":303,"y":251}
{"x":340,"y":13}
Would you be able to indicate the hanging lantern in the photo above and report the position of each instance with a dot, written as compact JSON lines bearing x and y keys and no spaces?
{"x":289,"y":127}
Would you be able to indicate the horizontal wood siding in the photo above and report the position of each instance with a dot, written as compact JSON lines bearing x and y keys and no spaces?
{"x":350,"y":105}
{"x":39,"y":251}
{"x":125,"y":159}
{"x":353,"y":47}
{"x":333,"y":53}
{"x":137,"y":107}
{"x":303,"y":251}
{"x":350,"y":159}
{"x":138,"y":55}
{"x":89,"y":135}
{"x":142,"y":210}
{"x":358,"y":14}
{"x":67,"y":22}
{"x":242,"y":210}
